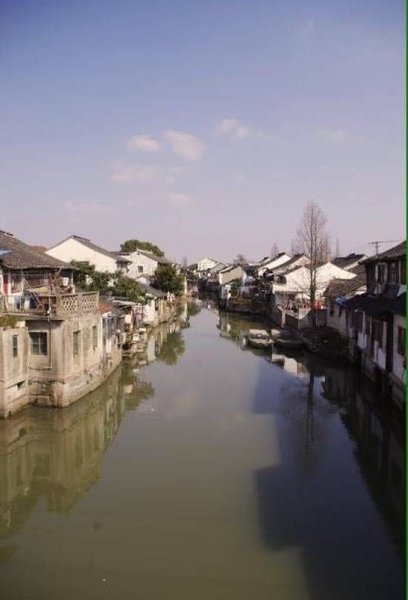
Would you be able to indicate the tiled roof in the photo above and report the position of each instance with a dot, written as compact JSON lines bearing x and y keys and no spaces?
{"x":23,"y":256}
{"x":344,"y":261}
{"x":376,"y":305}
{"x":393,"y":253}
{"x":345,"y":287}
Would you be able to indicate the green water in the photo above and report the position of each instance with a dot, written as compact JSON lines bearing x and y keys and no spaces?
{"x":213,"y":472}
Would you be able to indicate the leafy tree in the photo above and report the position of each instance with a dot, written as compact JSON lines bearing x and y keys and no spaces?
{"x":167,"y":279}
{"x":132,"y":245}
{"x":239,"y":260}
{"x":87,"y":278}
{"x":128,"y":288}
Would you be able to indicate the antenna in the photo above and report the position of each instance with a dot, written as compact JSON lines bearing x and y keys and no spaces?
{"x":377,"y":243}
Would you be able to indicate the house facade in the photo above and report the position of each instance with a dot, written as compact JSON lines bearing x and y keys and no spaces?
{"x":142,"y":263}
{"x":82,"y":249}
{"x":376,"y":322}
{"x":55,"y":344}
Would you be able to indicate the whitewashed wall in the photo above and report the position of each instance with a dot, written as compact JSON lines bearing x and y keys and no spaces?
{"x":72,"y":249}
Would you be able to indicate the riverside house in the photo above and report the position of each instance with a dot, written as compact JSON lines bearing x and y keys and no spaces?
{"x":82,"y":249}
{"x":52,"y":349}
{"x":376,"y":321}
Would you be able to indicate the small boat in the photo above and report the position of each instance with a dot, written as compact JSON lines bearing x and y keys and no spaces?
{"x":291,"y":343}
{"x":259,"y":338}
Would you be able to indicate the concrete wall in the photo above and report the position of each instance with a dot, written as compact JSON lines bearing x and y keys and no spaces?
{"x":62,"y":377}
{"x":72,"y":249}
{"x":337,"y":320}
{"x":13,"y":370}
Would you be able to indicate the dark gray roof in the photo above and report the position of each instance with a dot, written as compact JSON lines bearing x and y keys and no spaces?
{"x":376,"y":305}
{"x":344,"y":261}
{"x":398,"y":251}
{"x":152,"y":291}
{"x":346,"y":287}
{"x":23,"y":256}
{"x":159,"y":259}
{"x":288,"y":264}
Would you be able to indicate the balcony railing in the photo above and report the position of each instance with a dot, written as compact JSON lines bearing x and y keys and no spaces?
{"x":54,"y":305}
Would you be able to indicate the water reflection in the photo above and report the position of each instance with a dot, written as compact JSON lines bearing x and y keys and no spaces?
{"x":57,"y":454}
{"x":316,"y":501}
{"x":235,"y":473}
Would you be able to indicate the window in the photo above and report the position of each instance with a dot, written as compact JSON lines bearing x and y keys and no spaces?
{"x":393,"y":272}
{"x":94,"y":337}
{"x":140,"y":269}
{"x":15,"y":346}
{"x":401,"y":341}
{"x":378,"y":332}
{"x":381,"y":268}
{"x":367,"y":325}
{"x":75,"y":343}
{"x":38,"y":342}
{"x":359,"y":321}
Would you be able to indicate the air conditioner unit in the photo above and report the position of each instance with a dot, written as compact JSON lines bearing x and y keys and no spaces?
{"x":64,"y":281}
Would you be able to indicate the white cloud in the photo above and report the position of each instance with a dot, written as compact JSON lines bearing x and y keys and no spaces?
{"x":186,"y":145}
{"x":180,"y":200}
{"x":128,"y":173}
{"x":334,"y":136}
{"x":235,"y":130}
{"x":145,"y":143}
{"x":86,"y":207}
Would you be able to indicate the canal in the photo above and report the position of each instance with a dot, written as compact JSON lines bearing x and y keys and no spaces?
{"x":206,"y":471}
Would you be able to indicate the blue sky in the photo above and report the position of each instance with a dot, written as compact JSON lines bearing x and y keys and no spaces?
{"x":202,"y":126}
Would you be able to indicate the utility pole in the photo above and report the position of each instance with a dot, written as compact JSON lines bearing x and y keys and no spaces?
{"x":376,"y":243}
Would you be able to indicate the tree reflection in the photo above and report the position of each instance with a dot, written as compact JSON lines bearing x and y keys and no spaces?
{"x":172,"y":348}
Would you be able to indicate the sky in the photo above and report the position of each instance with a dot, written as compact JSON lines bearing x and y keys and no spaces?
{"x":203,"y":126}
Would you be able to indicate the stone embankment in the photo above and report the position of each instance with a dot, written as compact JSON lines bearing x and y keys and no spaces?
{"x":326,"y":342}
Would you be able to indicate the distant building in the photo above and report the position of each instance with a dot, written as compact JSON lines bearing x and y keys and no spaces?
{"x":271,"y":263}
{"x":142,"y":263}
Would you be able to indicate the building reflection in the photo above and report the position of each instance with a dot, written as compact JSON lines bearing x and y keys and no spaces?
{"x":57,"y":454}
{"x":379,"y":436}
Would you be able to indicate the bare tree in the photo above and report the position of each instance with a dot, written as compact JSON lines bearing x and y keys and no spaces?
{"x":313,"y":240}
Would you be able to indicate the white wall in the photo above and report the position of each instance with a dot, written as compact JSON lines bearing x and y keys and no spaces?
{"x":206,"y":263}
{"x":235,"y":273}
{"x":148,"y":265}
{"x":72,"y":249}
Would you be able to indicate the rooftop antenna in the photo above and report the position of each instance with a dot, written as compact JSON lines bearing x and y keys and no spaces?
{"x":377,"y":243}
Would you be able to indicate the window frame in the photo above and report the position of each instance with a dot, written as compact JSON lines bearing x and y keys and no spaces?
{"x":39,"y":343}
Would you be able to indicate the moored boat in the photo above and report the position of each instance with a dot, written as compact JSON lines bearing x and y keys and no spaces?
{"x":291,"y":343}
{"x":259,"y":338}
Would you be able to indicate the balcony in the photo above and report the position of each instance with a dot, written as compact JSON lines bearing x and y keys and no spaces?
{"x":49,"y":305}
